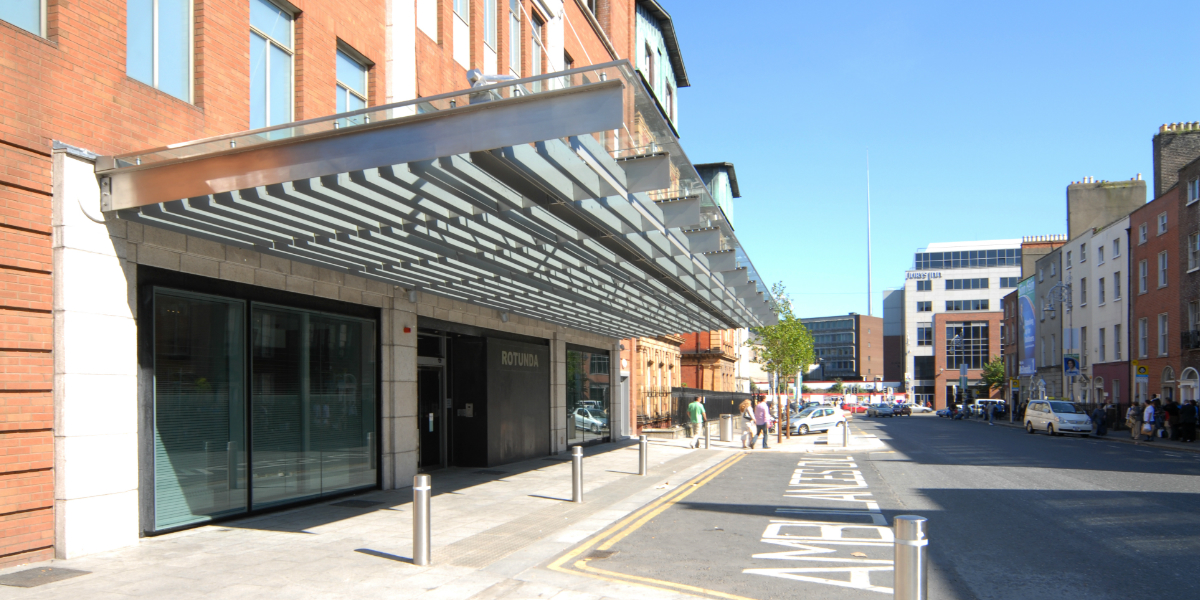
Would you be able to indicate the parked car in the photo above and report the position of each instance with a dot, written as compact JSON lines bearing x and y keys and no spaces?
{"x":880,"y":410}
{"x":1057,"y":417}
{"x":945,"y":413}
{"x":590,"y":419}
{"x":901,"y":409}
{"x":919,"y":408}
{"x":854,"y":408}
{"x":816,"y":418}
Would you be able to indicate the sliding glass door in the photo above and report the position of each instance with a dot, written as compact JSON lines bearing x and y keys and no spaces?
{"x":307,"y":430}
{"x":312,"y":407}
{"x":199,"y":408}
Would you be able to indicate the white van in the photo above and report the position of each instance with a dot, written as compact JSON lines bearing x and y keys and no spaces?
{"x":1056,"y":417}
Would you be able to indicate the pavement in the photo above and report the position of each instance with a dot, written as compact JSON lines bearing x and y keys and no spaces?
{"x":492,"y":529}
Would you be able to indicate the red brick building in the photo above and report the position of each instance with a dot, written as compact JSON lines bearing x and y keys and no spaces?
{"x":1188,"y":269}
{"x":1155,"y":241}
{"x":979,"y":333}
{"x":66,"y":81}
{"x":708,"y":360}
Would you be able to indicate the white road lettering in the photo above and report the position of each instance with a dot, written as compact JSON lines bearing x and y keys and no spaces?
{"x":826,"y":530}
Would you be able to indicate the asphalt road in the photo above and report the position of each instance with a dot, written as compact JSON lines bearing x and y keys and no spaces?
{"x":1012,"y":516}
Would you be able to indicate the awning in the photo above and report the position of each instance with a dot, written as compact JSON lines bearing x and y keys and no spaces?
{"x":562,"y":197}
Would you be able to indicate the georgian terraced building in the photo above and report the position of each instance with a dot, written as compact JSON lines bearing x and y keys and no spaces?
{"x":266,"y":252}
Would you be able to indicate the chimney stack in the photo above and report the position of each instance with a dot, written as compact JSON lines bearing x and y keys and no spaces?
{"x":1175,"y":145}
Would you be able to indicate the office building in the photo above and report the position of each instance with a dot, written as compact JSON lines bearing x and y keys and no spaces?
{"x":847,"y":347}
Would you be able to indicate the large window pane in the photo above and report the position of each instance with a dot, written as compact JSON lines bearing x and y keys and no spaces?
{"x":139,"y":41}
{"x":281,"y":86}
{"x":174,"y":47}
{"x":26,"y":14}
{"x":258,"y":81}
{"x":312,"y":406}
{"x":588,"y":396}
{"x":271,"y":21}
{"x":351,"y":74}
{"x":199,"y":409}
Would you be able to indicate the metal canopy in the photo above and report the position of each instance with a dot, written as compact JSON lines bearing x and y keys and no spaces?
{"x":531,"y":197}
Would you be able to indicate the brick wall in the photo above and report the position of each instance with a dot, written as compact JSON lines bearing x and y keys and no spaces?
{"x":945,"y":376}
{"x":1155,"y":300}
{"x":870,"y":347}
{"x":1189,"y":279}
{"x":72,"y":87}
{"x":1173,"y":149}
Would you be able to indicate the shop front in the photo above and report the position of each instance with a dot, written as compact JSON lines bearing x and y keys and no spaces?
{"x":282,"y":316}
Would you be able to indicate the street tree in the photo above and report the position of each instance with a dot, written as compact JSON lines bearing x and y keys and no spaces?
{"x":993,"y":374}
{"x":786,"y":347}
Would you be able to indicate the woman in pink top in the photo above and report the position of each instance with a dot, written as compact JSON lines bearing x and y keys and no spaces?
{"x":762,"y":419}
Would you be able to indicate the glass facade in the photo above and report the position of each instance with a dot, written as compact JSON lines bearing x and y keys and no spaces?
{"x":966,"y":343}
{"x":289,"y":394}
{"x":199,"y":408}
{"x":967,"y":259}
{"x":588,"y":396}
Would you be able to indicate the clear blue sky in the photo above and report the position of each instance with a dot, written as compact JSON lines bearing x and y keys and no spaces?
{"x":976,"y":116}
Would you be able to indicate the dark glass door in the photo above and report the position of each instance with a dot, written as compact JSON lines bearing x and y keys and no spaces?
{"x":430,"y":416}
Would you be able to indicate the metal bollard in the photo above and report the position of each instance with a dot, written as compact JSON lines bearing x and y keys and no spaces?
{"x":707,"y":434}
{"x":845,"y":433}
{"x":577,"y":475}
{"x":643,"y":455}
{"x":422,"y":486}
{"x":911,"y":558}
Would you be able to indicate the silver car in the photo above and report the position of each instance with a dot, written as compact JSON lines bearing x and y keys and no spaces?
{"x":880,"y":410}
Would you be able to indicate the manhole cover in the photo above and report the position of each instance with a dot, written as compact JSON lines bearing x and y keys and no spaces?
{"x":599,"y":554}
{"x":356,"y":503}
{"x":490,"y":472}
{"x":41,"y":576}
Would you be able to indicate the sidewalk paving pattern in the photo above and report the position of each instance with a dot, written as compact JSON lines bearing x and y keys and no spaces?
{"x":487,"y":531}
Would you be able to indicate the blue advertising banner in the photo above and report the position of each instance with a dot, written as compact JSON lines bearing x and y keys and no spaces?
{"x":1026,"y":291}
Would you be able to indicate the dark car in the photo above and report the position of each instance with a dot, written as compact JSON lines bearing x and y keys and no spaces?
{"x":901,"y":409}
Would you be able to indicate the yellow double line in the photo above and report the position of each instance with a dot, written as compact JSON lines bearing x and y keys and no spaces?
{"x":629,"y":524}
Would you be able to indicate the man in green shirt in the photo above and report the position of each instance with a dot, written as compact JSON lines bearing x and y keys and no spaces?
{"x":697,"y":417}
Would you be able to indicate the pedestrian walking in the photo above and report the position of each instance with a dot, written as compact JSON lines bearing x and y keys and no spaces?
{"x":1148,"y":422}
{"x":991,"y":413}
{"x":1189,"y":414}
{"x":1099,"y":421}
{"x":698,"y":420}
{"x":1160,"y":418}
{"x":1133,"y":419}
{"x":747,"y":423}
{"x":762,"y":419}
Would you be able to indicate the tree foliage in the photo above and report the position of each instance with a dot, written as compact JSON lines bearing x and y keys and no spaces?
{"x":786,"y":347}
{"x":993,"y":374}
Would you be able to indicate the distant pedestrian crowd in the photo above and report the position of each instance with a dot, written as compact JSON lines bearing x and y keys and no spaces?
{"x":1169,"y":420}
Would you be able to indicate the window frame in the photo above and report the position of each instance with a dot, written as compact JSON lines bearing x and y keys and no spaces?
{"x":291,"y":52}
{"x":491,"y":24}
{"x":1143,"y":336}
{"x":466,"y":14}
{"x":1193,"y":190}
{"x":1100,"y":254}
{"x":1142,"y":276}
{"x":1162,"y":334}
{"x":1162,"y":223}
{"x":1141,"y":234}
{"x":1162,"y":269}
{"x":357,"y":58}
{"x":43,"y":17}
{"x":1083,"y":291}
{"x":154,"y":60}
{"x":1100,"y":291}
{"x":1116,"y":285}
{"x":1193,"y":251}
{"x":1116,"y":247}
{"x":537,"y":48}
{"x":1117,"y":341}
{"x":1083,"y":253}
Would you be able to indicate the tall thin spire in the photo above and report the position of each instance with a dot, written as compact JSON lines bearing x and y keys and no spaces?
{"x":868,"y":232}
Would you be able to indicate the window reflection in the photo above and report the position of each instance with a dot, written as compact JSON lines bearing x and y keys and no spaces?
{"x":588,"y":396}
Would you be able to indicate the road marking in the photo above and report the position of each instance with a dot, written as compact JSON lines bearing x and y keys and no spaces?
{"x":630,"y":524}
{"x":832,"y":479}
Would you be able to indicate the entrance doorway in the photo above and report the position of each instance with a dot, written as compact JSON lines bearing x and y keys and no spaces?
{"x":431,"y":411}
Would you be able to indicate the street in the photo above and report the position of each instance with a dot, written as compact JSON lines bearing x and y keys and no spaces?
{"x":1011,"y":515}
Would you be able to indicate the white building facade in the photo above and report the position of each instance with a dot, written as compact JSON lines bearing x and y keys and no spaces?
{"x":949,"y":277}
{"x":1095,"y":266}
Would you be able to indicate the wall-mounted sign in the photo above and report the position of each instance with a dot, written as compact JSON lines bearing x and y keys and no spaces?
{"x":519,"y":359}
{"x":1143,"y":374}
{"x":1071,"y":365}
{"x":925,"y":275}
